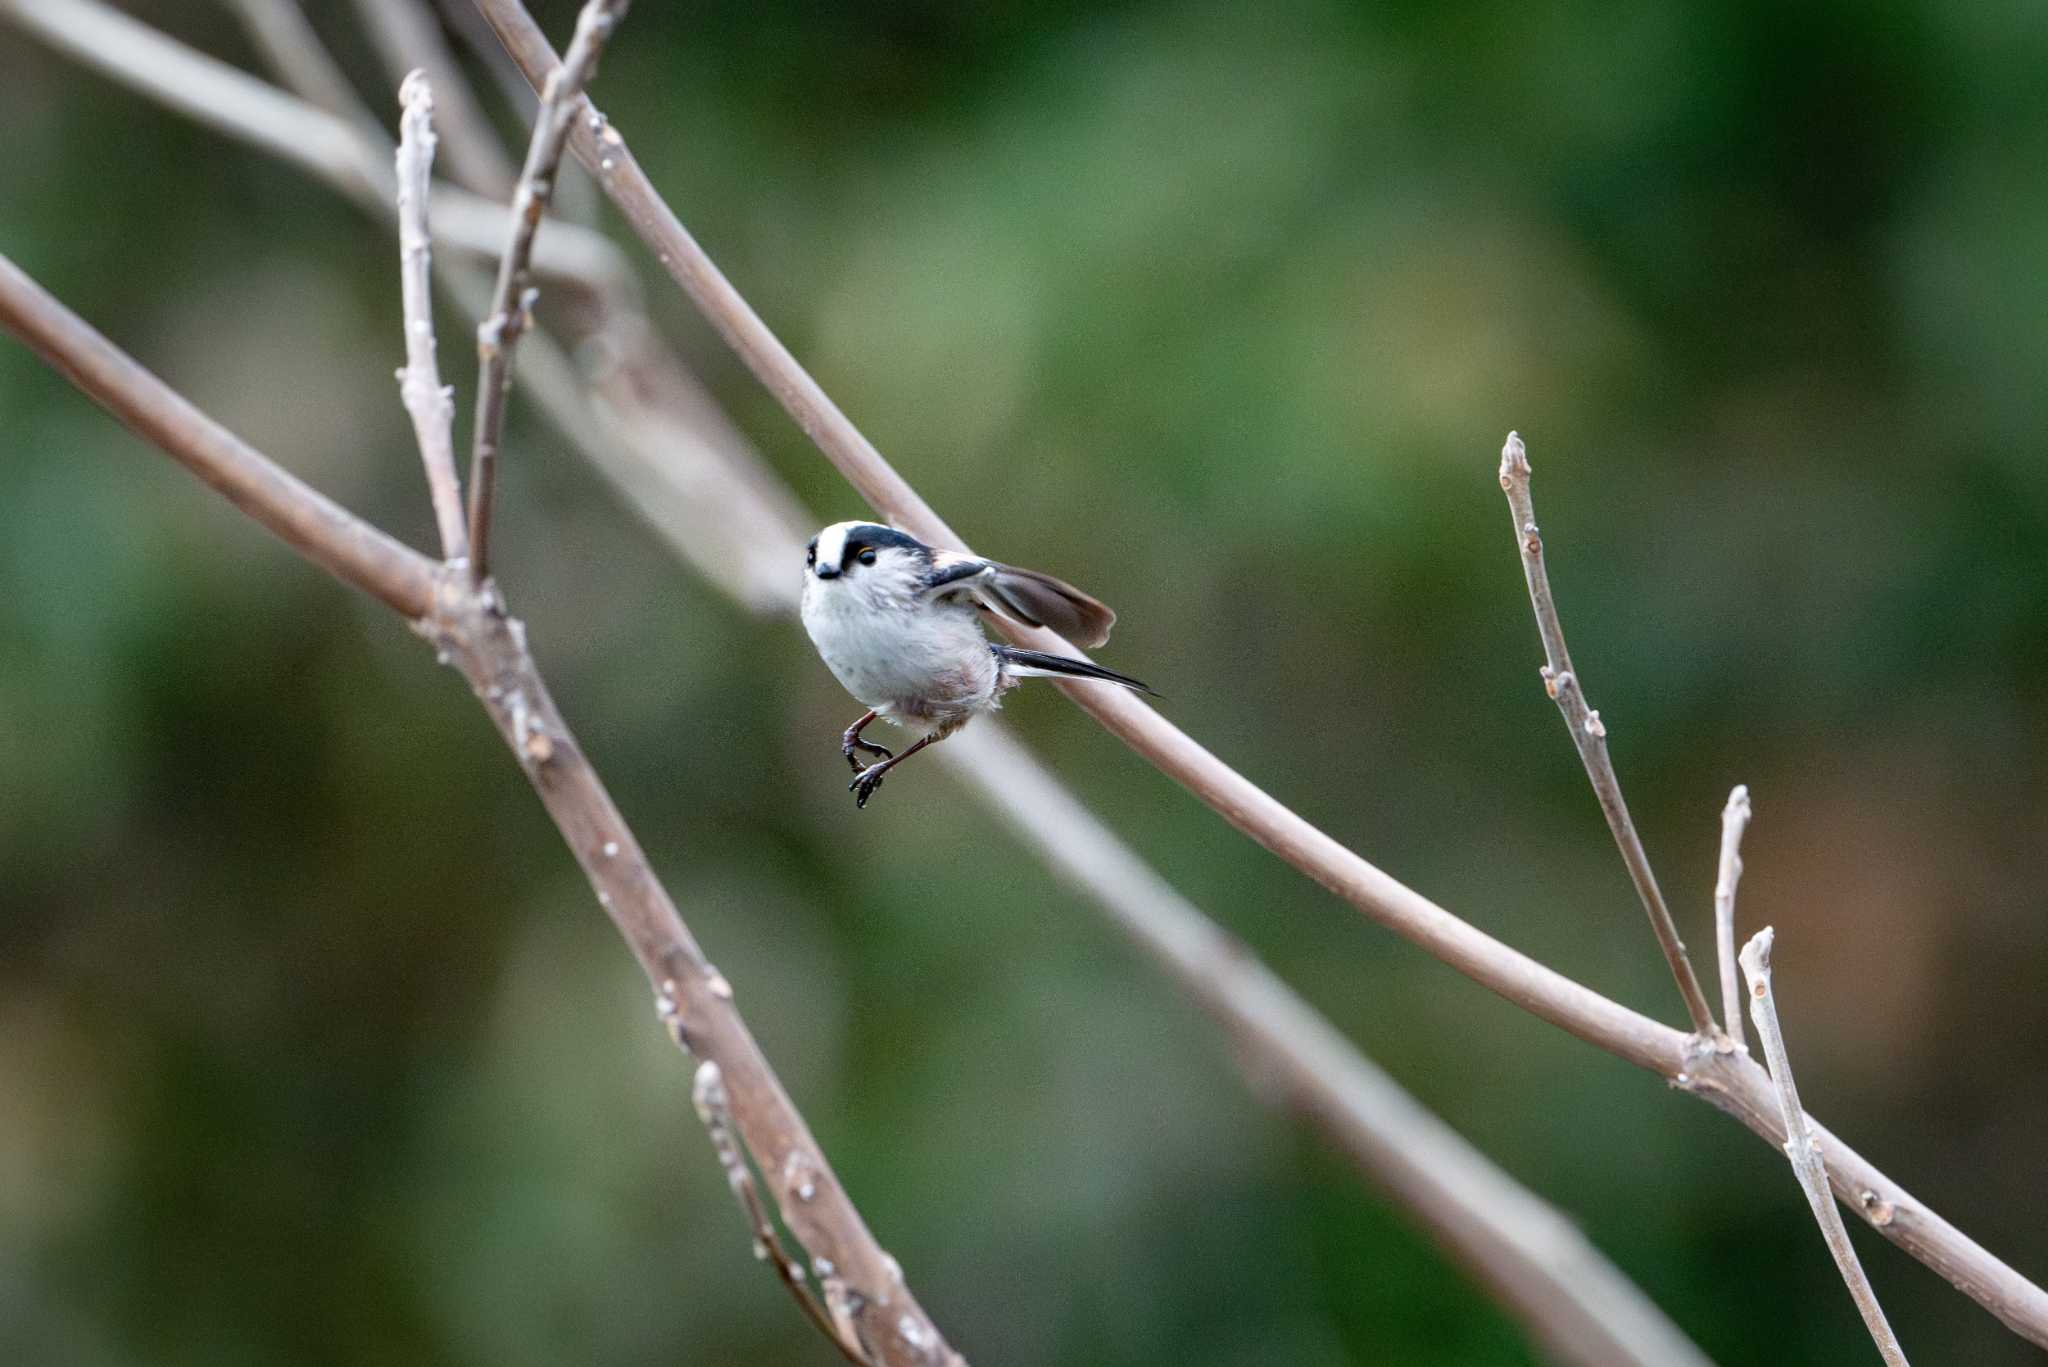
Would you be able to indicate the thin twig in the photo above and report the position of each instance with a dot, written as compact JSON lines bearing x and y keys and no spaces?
{"x":430,"y":403}
{"x":409,"y":36}
{"x":1731,"y":1082}
{"x":512,"y":301}
{"x":714,"y":1109}
{"x":1804,"y":1152}
{"x":1734,"y":821}
{"x":1589,"y":734}
{"x":468,"y":626}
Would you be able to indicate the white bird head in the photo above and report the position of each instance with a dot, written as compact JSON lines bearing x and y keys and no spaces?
{"x":866,"y":560}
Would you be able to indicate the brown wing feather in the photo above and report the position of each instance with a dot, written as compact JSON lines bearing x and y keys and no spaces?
{"x":1040,"y":600}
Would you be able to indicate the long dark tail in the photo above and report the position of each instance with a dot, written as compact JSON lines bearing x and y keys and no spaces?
{"x":1019,"y":661}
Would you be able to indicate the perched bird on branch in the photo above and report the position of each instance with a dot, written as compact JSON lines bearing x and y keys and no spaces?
{"x":898,"y":624}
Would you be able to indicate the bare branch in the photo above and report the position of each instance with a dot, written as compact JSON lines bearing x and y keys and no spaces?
{"x":429,"y":402}
{"x":1804,"y":1150}
{"x":1734,"y":821}
{"x":468,"y":626}
{"x":714,"y":1108}
{"x":407,"y":35}
{"x":1589,"y":734}
{"x":512,"y":303}
{"x":1732,"y":1082}
{"x":341,"y":149}
{"x":303,"y":518}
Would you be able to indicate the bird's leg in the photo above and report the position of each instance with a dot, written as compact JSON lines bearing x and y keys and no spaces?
{"x":850,"y":740}
{"x":867,"y":780}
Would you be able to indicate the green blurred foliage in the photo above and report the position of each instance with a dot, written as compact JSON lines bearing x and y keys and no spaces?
{"x":314,"y":1049}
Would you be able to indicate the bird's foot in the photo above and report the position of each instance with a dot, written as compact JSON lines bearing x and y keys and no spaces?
{"x":865,"y":782}
{"x":853,"y":761}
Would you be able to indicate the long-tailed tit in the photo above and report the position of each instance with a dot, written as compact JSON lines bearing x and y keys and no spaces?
{"x":896,"y":621}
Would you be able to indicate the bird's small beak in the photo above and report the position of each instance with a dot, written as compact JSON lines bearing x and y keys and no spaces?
{"x":828,"y":571}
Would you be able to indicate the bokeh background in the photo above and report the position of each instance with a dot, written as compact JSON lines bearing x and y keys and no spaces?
{"x":314,"y":1049}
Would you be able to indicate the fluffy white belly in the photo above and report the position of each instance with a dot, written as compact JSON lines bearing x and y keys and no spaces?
{"x":919,"y":667}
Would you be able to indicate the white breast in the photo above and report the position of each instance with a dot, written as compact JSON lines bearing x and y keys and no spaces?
{"x":913,"y":662}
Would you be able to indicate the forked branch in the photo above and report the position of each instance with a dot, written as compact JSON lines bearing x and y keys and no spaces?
{"x":512,"y":300}
{"x":468,"y":625}
{"x":1589,"y":733}
{"x":1804,"y":1150}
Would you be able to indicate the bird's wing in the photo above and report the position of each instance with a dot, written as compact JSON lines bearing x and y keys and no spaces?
{"x":1036,"y":600}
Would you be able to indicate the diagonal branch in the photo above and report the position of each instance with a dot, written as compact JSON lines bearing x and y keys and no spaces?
{"x":1734,"y":821}
{"x":1804,"y":1152}
{"x":429,"y":403}
{"x":1589,"y":734}
{"x":302,"y":517}
{"x":467,"y":623}
{"x":1731,"y":1082}
{"x":512,"y":301}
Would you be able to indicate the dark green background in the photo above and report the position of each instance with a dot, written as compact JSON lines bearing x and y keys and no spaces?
{"x":313,"y":1047}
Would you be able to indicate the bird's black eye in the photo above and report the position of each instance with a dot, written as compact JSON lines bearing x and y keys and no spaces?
{"x":867,"y":557}
{"x":811,"y":552}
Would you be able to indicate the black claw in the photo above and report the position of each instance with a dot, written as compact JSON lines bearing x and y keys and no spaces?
{"x":864,"y":784}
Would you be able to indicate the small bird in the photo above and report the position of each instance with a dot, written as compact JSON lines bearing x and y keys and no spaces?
{"x":896,"y":622}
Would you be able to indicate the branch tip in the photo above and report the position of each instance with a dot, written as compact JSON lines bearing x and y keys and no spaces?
{"x":1756,"y":960}
{"x":1734,"y":821}
{"x":416,"y":90}
{"x":1514,"y":461}
{"x":1589,"y":735}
